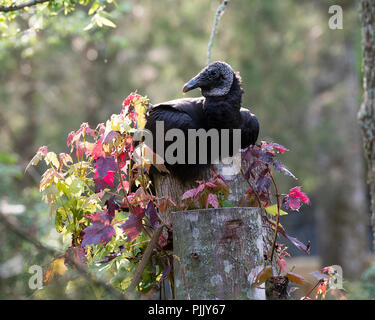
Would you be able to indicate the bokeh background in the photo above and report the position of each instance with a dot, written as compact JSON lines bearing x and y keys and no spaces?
{"x":302,"y":80}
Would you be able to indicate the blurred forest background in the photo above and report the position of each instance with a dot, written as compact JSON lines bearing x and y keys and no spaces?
{"x":302,"y":80}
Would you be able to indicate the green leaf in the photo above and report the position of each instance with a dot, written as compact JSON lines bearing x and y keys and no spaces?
{"x":272,"y":210}
{"x":107,"y":22}
{"x":77,"y":187}
{"x":98,"y":20}
{"x":63,"y":187}
{"x":227,"y":204}
{"x":60,"y":219}
{"x":89,"y":26}
{"x":51,"y":158}
{"x":95,"y":6}
{"x":121,"y":215}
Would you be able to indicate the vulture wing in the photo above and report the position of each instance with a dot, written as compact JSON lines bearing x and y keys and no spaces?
{"x":249,"y":128}
{"x":180,"y":114}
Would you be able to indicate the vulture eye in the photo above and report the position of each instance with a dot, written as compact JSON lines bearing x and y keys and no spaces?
{"x":213,"y":73}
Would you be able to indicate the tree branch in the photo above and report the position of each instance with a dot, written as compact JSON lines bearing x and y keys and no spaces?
{"x":146,"y":257}
{"x":88,"y":276}
{"x":218,"y":15}
{"x":277,"y":217}
{"x":16,"y":7}
{"x":22,"y":234}
{"x":367,"y":110}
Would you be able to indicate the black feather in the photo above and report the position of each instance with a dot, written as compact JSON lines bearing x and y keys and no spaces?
{"x":211,"y":111}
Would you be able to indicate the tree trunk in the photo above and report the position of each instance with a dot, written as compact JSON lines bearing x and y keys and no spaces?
{"x":341,"y":214}
{"x":168,"y":185}
{"x":345,"y":224}
{"x":366,"y":115}
{"x":24,"y":143}
{"x":220,"y":251}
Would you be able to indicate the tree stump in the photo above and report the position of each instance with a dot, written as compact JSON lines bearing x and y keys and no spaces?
{"x":220,"y":251}
{"x":168,"y":185}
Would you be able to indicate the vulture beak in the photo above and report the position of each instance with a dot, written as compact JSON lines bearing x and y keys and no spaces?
{"x":192,"y":84}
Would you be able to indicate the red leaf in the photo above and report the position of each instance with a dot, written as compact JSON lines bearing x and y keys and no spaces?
{"x":129,"y":144}
{"x":282,"y":264}
{"x":109,"y":178}
{"x":189,"y":194}
{"x":85,"y":129}
{"x":100,"y":128}
{"x":43,"y":150}
{"x":297,"y":193}
{"x":112,"y":206}
{"x":83,"y":148}
{"x":122,"y":158}
{"x":100,"y":230}
{"x":198,"y":191}
{"x":97,"y":151}
{"x":210,"y":184}
{"x":112,"y":135}
{"x":269,"y":147}
{"x":279,"y":147}
{"x":322,"y":288}
{"x":133,"y":225}
{"x":101,"y":184}
{"x":70,"y":138}
{"x":125,"y":185}
{"x":152,"y":214}
{"x":130,"y":99}
{"x":104,"y":165}
{"x":295,"y":198}
{"x":212,"y":200}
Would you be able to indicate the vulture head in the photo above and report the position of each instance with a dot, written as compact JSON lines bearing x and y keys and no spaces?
{"x":214,"y":80}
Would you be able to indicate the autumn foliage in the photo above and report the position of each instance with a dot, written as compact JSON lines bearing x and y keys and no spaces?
{"x":100,"y":198}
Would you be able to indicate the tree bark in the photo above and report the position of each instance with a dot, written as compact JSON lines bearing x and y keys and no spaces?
{"x":168,"y":185}
{"x":220,"y":251}
{"x":366,"y":115}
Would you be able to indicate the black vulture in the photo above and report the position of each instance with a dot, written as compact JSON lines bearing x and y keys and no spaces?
{"x":219,"y":108}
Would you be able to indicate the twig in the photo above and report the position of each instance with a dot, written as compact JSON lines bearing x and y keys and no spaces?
{"x":16,"y":7}
{"x":22,"y":234}
{"x":277,"y":217}
{"x":313,"y":288}
{"x":218,"y":15}
{"x":131,"y":209}
{"x":146,"y":257}
{"x":183,"y":275}
{"x":252,"y":188}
